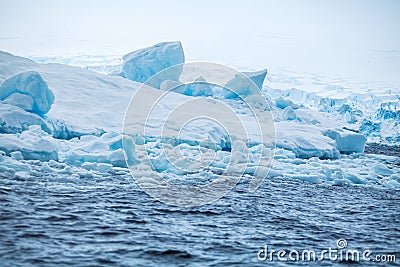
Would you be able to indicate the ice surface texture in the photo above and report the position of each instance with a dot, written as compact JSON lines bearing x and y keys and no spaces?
{"x":257,"y":77}
{"x":33,"y":144}
{"x":140,"y":65}
{"x":85,"y":102}
{"x":29,"y":91}
{"x":14,"y":119}
{"x":59,"y":112}
{"x":347,"y":141}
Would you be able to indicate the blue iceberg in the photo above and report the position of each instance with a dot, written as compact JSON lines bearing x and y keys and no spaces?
{"x":140,"y":65}
{"x":29,"y":91}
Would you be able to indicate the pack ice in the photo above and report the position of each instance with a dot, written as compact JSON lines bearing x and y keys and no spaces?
{"x":70,"y":119}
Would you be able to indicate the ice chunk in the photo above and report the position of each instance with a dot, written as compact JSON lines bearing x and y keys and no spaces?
{"x":56,"y":164}
{"x":259,"y":102}
{"x":282,"y":103}
{"x":90,"y":166}
{"x":339,"y":182}
{"x":140,"y":65}
{"x":9,"y":166}
{"x":305,"y":141}
{"x":289,"y":114}
{"x":17,"y":155}
{"x":33,"y":144}
{"x":347,"y":141}
{"x":28,"y":83}
{"x":274,"y":173}
{"x":381,"y":169}
{"x":104,"y":167}
{"x":106,"y":148}
{"x":63,"y":130}
{"x":355,"y":179}
{"x":66,"y":170}
{"x":239,"y":86}
{"x":15,"y":120}
{"x":257,"y":77}
{"x":199,"y":87}
{"x":46,"y":167}
{"x":392,"y":184}
{"x":117,"y":158}
{"x":230,"y":85}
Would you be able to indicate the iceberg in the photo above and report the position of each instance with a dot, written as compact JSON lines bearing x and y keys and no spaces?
{"x":305,"y":141}
{"x":239,"y":86}
{"x":76,"y":125}
{"x":257,"y":77}
{"x":85,"y":102}
{"x":209,"y":80}
{"x":242,"y":87}
{"x":347,"y":141}
{"x":29,"y":91}
{"x":142,"y":64}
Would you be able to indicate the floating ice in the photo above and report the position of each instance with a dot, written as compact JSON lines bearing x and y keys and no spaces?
{"x":355,"y":179}
{"x":106,"y":148}
{"x":10,"y":166}
{"x":91,"y":106}
{"x":32,"y":143}
{"x":347,"y":141}
{"x":305,"y":141}
{"x":381,"y":169}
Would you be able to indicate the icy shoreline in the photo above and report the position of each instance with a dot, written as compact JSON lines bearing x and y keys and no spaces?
{"x":78,"y":134}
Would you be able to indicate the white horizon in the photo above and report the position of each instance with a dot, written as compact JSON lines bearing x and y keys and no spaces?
{"x":346,"y":39}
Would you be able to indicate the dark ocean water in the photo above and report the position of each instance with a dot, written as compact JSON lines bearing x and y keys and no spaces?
{"x":110,"y":221}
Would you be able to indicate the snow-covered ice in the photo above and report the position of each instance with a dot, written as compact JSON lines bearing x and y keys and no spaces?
{"x":257,"y":77}
{"x":14,"y":119}
{"x":85,"y":102}
{"x":140,"y":65}
{"x":71,"y":119}
{"x":29,"y":91}
{"x":347,"y":141}
{"x":32,"y":144}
